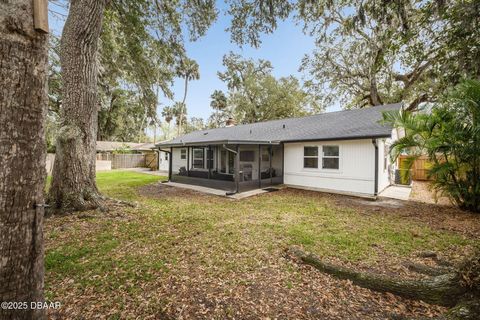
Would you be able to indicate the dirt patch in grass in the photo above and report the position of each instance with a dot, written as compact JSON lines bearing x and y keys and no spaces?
{"x":422,"y":192}
{"x":185,"y":255}
{"x":160,"y":190}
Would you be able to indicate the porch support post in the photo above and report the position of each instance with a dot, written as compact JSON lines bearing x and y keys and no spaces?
{"x":237,"y":169}
{"x":170,"y":162}
{"x":209,"y":158}
{"x":259,"y":166}
{"x":270,"y":157}
{"x":188,"y":161}
{"x":283,"y":161}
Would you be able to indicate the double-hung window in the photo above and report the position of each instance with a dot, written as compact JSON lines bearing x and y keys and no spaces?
{"x":330,"y":157}
{"x":199,"y":158}
{"x":310,"y":157}
{"x":183,"y":154}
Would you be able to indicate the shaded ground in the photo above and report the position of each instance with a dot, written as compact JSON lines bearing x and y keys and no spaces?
{"x":421,"y":192}
{"x":185,"y":255}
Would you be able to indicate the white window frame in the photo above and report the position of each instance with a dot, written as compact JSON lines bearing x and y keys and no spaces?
{"x":203,"y":158}
{"x":183,"y":154}
{"x":330,"y":157}
{"x":310,"y":157}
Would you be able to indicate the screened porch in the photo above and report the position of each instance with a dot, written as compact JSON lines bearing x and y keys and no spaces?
{"x":232,"y":168}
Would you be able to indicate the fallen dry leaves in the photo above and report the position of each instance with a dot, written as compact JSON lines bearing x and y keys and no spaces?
{"x":225,"y":271}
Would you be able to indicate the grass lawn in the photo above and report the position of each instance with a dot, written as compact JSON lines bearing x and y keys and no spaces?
{"x":181,"y":254}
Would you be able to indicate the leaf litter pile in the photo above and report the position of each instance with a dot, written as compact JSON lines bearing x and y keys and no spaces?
{"x":184,"y":255}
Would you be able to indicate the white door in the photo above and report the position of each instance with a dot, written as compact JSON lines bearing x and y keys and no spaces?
{"x":163,"y":161}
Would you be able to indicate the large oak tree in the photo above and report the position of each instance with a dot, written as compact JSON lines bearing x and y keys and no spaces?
{"x":372,"y":52}
{"x":131,"y":56}
{"x":73,"y":185}
{"x":23,"y":103}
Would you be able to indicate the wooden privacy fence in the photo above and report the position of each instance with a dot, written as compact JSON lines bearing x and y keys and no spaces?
{"x":127,"y":160}
{"x":419,"y":169}
{"x":151,"y":160}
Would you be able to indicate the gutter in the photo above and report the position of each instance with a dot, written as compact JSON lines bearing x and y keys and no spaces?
{"x":218,"y":142}
{"x":375,"y":144}
{"x":231,"y":150}
{"x":166,"y":151}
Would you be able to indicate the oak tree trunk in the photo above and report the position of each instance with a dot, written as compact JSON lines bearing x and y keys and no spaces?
{"x":23,"y":104}
{"x":73,"y":185}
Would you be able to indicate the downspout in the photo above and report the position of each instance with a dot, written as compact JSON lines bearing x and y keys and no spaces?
{"x":158,"y":159}
{"x":375,"y":144}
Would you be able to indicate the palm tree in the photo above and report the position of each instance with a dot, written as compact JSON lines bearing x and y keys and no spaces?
{"x":219,"y":100}
{"x":168,"y":114}
{"x":450,"y":136}
{"x":219,"y":104}
{"x":188,"y":70}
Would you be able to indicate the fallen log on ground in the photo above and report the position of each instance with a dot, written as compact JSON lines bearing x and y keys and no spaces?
{"x":423,"y":269}
{"x":449,"y":290}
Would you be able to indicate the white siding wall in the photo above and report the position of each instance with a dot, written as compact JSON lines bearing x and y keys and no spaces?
{"x":356,"y":172}
{"x":383,"y":164}
{"x":177,"y":162}
{"x":163,"y":161}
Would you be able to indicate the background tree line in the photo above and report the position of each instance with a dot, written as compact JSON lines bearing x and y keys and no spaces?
{"x":368,"y":53}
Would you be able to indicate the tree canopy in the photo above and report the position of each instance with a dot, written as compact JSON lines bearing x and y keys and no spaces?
{"x":373,"y":52}
{"x":256,"y":95}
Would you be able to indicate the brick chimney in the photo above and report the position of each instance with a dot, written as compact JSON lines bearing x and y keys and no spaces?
{"x":230,"y":122}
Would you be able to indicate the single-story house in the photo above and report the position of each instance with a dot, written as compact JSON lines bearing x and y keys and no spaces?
{"x":342,"y":152}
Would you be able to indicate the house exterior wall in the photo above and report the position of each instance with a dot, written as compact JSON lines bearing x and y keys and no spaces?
{"x":356,"y":173}
{"x":177,"y":162}
{"x":163,"y":161}
{"x":383,"y":164}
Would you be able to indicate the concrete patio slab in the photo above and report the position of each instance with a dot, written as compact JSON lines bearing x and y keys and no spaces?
{"x":396,"y":192}
{"x":247,"y":194}
{"x":147,"y":171}
{"x":215,"y":192}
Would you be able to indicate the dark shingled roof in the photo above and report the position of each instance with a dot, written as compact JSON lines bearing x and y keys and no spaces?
{"x":340,"y":125}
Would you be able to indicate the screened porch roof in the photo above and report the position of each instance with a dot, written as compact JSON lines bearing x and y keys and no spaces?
{"x":339,"y":125}
{"x":214,"y":143}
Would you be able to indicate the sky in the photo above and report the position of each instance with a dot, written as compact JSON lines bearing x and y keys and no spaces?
{"x":284,"y":49}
